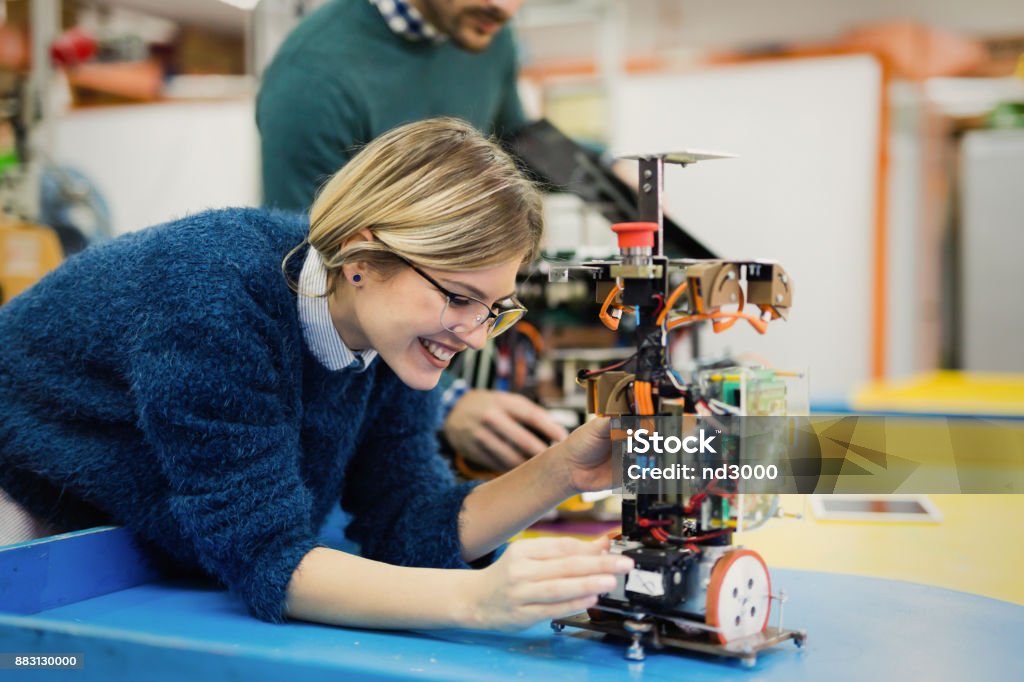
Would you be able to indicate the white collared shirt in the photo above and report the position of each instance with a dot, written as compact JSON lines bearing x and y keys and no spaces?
{"x":317,"y":326}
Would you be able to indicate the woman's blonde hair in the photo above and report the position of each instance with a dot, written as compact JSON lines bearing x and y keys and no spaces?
{"x":435,"y":192}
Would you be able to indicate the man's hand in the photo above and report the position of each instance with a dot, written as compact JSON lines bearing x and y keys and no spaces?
{"x":493,"y":428}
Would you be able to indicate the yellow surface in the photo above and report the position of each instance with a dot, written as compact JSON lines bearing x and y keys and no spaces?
{"x":946,"y":392}
{"x":978,"y":547}
{"x":27,"y":252}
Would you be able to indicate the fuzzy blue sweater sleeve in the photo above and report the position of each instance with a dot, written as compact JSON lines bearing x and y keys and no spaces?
{"x":402,"y":495}
{"x":213,"y":407}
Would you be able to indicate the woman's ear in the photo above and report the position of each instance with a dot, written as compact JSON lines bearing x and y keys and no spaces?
{"x":355,"y":273}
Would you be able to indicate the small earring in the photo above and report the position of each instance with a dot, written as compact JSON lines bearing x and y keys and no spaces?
{"x":356,"y":278}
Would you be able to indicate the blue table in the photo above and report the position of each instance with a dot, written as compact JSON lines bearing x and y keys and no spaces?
{"x":859,"y":629}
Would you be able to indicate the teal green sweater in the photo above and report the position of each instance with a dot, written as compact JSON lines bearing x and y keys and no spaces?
{"x":343,"y":77}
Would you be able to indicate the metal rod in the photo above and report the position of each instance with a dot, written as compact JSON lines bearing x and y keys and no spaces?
{"x":651,"y":185}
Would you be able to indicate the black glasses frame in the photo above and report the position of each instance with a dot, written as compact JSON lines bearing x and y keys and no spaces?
{"x":449,"y":295}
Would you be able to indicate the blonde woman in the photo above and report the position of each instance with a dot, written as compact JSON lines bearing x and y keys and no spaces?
{"x":183,"y":383}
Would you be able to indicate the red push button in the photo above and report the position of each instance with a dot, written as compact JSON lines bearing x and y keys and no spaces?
{"x":633,"y":235}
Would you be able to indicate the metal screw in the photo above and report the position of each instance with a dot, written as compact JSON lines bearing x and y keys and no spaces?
{"x":784,"y":279}
{"x":782,"y":601}
{"x":648,"y":174}
{"x":778,"y":298}
{"x":637,"y":630}
{"x":647,"y":187}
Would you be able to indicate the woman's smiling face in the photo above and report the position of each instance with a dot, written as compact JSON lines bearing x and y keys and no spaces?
{"x":399,"y":315}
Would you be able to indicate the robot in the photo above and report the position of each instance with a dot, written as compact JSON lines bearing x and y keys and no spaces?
{"x":691,"y":588}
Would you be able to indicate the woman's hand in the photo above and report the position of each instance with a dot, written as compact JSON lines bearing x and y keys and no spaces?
{"x":585,"y":456}
{"x":501,"y":507}
{"x":540,"y":579}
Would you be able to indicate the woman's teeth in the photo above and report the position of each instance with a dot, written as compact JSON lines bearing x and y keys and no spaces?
{"x":437,"y":351}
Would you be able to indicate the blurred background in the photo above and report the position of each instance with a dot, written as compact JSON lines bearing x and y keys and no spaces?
{"x":880,"y":158}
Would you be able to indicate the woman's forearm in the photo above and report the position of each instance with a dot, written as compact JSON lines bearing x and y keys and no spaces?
{"x":342,"y":589}
{"x":535,"y":580}
{"x":500,"y":508}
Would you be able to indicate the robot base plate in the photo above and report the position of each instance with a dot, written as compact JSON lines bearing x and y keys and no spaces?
{"x":745,"y":649}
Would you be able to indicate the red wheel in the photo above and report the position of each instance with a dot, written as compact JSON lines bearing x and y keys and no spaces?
{"x":739,"y":595}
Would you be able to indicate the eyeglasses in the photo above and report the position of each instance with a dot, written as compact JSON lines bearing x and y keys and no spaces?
{"x":463,"y":314}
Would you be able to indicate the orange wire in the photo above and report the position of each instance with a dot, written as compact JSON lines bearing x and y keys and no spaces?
{"x":532,"y":333}
{"x":671,"y":302}
{"x":760,"y":325}
{"x":606,"y":319}
{"x":644,"y":397}
{"x":757,"y":323}
{"x":698,"y":303}
{"x":609,"y":321}
{"x":720,"y":327}
{"x":520,"y":373}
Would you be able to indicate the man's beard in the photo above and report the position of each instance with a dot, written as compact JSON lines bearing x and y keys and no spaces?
{"x":464,"y":21}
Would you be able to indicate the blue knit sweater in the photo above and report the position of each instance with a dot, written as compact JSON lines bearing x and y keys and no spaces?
{"x":161,"y":381}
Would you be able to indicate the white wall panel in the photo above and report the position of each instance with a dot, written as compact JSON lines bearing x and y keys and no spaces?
{"x":802,"y":192}
{"x":156,"y":162}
